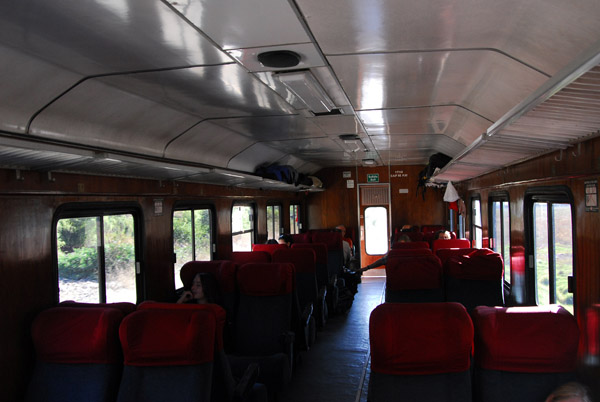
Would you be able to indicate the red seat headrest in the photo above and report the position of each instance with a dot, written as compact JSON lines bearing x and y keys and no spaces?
{"x":183,"y":335}
{"x":223,"y":271}
{"x":533,"y":339}
{"x":78,"y":335}
{"x":267,"y":279}
{"x":420,"y":338}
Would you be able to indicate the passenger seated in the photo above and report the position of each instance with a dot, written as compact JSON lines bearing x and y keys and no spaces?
{"x":346,"y":244}
{"x":204,"y":290}
{"x":570,"y":392}
{"x":286,"y":239}
{"x":443,"y":235}
{"x":383,"y":260}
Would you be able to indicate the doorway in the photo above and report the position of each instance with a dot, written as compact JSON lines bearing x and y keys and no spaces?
{"x":374,"y":204}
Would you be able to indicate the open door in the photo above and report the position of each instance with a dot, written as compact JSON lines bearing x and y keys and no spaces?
{"x":374,"y":225}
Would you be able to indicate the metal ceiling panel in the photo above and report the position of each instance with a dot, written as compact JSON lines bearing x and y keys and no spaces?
{"x":98,"y":115}
{"x":26,"y":87}
{"x":484,"y":82}
{"x":543,"y":34}
{"x":236,"y":24}
{"x":207,"y":92}
{"x":209,"y":144}
{"x":97,"y":37}
{"x":254,"y":156}
{"x":273,"y":128}
{"x":455,"y":122}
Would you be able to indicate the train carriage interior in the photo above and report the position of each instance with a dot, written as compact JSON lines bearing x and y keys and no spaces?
{"x":138,"y":136}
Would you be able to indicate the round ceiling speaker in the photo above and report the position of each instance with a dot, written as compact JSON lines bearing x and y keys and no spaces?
{"x":279,"y":59}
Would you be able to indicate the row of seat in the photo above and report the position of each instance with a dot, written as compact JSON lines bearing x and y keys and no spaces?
{"x":117,"y":352}
{"x":470,"y":276}
{"x":438,"y":352}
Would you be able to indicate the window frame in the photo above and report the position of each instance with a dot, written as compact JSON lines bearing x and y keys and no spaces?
{"x":473,"y":226}
{"x":279,"y":228}
{"x":252,"y":231}
{"x":296,"y":227}
{"x":186,"y":206}
{"x":493,"y":198}
{"x":550,"y":195}
{"x":98,"y":209}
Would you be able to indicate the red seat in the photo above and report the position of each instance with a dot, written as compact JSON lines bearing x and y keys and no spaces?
{"x":413,"y":279}
{"x":450,"y":243}
{"x":169,"y":353}
{"x":420,"y":351}
{"x":269,"y":248}
{"x":78,"y":354}
{"x":445,"y":254}
{"x":523,"y":353}
{"x":244,"y":257}
{"x":411,"y":245}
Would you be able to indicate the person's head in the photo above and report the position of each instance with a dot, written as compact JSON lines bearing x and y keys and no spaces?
{"x":272,"y":241}
{"x":342,"y":229}
{"x":205,"y":288}
{"x":443,"y":235}
{"x":570,"y":392}
{"x":285,"y":239}
{"x":404,"y":239}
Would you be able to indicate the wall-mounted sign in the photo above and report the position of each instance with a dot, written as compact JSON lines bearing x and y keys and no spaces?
{"x":373,"y":178}
{"x":591,"y":196}
{"x":349,"y":183}
{"x":158,"y":206}
{"x":347,"y":174}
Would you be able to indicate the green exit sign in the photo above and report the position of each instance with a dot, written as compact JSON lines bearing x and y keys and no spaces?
{"x":373,"y":178}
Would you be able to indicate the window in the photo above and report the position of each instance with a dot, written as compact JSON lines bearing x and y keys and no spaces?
{"x":476,"y":224}
{"x":242,"y":227}
{"x":273,"y":221}
{"x":552,"y":247}
{"x":376,"y":230}
{"x":96,"y":257}
{"x":295,"y":224}
{"x":192,"y":237}
{"x":500,"y":230}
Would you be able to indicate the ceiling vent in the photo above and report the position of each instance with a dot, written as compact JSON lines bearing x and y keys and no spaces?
{"x":279,"y":59}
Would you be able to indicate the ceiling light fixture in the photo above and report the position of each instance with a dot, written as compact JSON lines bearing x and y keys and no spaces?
{"x":306,"y":87}
{"x":369,"y":161}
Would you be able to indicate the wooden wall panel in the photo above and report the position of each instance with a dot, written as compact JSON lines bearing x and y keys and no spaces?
{"x":571,"y":168}
{"x":28,"y":277}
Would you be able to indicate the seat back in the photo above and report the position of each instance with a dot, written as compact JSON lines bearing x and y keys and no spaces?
{"x":412,"y":279}
{"x":78,"y":355}
{"x":223,"y":385}
{"x":320,"y":250}
{"x":125,"y":307}
{"x":301,"y":238}
{"x":335,"y":251}
{"x":420,"y":351}
{"x":269,"y":248}
{"x":410,"y":251}
{"x":592,"y":335}
{"x":168,"y":354}
{"x":410,"y":245}
{"x":450,"y":243}
{"x":523,"y":353}
{"x":305,"y":269}
{"x":475,"y":279}
{"x":265,"y":311}
{"x":244,"y":257}
{"x":444,"y":254}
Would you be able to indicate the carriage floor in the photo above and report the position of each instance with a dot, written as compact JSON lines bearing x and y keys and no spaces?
{"x":336,"y":368}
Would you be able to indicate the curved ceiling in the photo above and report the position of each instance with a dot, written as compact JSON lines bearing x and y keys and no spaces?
{"x":174,"y":90}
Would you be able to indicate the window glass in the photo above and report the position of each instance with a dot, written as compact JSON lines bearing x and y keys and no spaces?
{"x":273,"y":221}
{"x":553,"y":253}
{"x":96,"y":259}
{"x":192,"y":238}
{"x":477,"y":234}
{"x":376,"y":230}
{"x":295,"y":224}
{"x":500,"y":230}
{"x":242,"y":227}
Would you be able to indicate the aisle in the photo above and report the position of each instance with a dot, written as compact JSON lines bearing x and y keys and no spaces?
{"x":333,"y":370}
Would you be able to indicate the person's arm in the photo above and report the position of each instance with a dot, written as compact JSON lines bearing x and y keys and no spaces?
{"x":185,"y":297}
{"x":378,"y":263}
